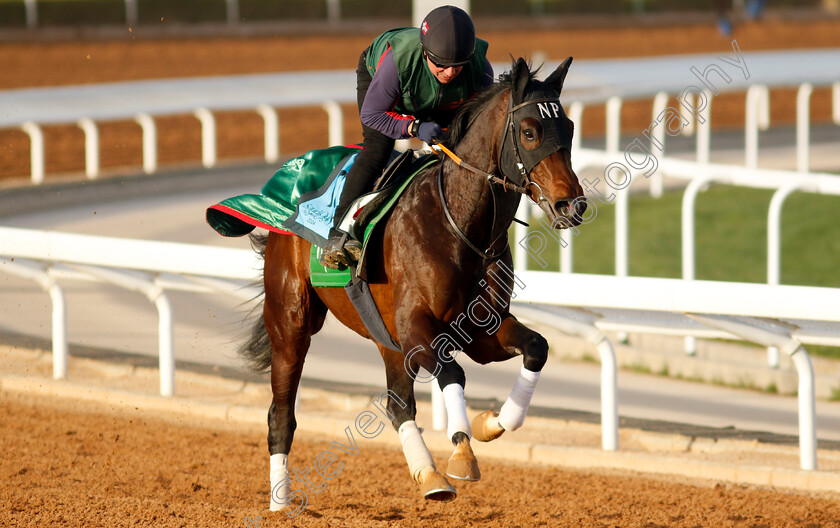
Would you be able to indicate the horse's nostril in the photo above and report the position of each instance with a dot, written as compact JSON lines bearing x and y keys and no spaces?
{"x":580,"y":207}
{"x":561,"y":207}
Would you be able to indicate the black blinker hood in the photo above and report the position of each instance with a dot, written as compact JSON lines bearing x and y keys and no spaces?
{"x":542,"y":104}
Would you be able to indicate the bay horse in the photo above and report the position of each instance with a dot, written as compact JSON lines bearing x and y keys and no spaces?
{"x":432,"y":277}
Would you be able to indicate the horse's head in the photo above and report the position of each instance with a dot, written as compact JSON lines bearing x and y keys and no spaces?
{"x":535,"y":145}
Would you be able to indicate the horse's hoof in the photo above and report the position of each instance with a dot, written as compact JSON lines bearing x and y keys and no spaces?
{"x":463,"y":464}
{"x":434,"y":486}
{"x":486,"y":426}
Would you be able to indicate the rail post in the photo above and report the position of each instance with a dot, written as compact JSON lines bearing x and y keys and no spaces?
{"x":41,"y":274}
{"x":131,"y":13}
{"x":36,"y":151}
{"x":704,"y":130}
{"x":688,"y":243}
{"x":582,"y":324}
{"x":144,"y":283}
{"x":757,"y":117}
{"x":208,"y":137}
{"x":271,"y":132}
{"x":803,"y":127}
{"x":657,"y":140}
{"x":757,"y":330}
{"x":835,"y":103}
{"x":333,"y":11}
{"x":147,"y":125}
{"x":774,"y":250}
{"x":336,"y":122}
{"x":31,"y":7}
{"x":232,"y":11}
{"x":91,"y":147}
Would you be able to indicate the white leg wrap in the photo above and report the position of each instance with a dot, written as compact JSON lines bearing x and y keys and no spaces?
{"x":414,"y":448}
{"x":456,"y":410}
{"x":278,"y":472}
{"x":513,"y":412}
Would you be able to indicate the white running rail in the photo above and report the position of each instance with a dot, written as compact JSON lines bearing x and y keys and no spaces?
{"x":740,"y":310}
{"x":594,"y":82}
{"x":150,"y":268}
{"x":131,"y":12}
{"x":719,"y":309}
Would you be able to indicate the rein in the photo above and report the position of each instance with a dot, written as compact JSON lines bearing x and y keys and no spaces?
{"x":492,"y":178}
{"x":490,"y":253}
{"x":487,"y":254}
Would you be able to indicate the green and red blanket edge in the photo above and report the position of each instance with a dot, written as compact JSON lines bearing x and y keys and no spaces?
{"x":239,"y":215}
{"x":278,"y":198}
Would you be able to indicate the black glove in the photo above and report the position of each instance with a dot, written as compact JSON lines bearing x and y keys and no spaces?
{"x":429,"y":131}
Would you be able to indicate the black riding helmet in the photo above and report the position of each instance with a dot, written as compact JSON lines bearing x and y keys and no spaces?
{"x":448,"y":36}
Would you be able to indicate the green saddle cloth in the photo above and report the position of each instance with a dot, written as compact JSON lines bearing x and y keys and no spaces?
{"x":279,"y":197}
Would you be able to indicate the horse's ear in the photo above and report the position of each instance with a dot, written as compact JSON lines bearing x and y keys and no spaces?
{"x":555,"y":80}
{"x":520,"y":75}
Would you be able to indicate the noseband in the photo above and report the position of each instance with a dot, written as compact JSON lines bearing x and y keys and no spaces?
{"x":516,"y":172}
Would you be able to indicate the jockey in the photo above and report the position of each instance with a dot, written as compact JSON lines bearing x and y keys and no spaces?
{"x":409,"y":83}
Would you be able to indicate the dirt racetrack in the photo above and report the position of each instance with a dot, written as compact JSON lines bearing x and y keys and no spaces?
{"x":68,"y":464}
{"x":142,"y":56}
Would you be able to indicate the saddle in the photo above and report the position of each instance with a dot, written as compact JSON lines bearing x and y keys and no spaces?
{"x":364,"y":208}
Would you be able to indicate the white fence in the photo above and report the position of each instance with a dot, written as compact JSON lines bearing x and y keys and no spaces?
{"x":131,"y":12}
{"x":142,"y":101}
{"x":716,"y":309}
{"x":780,"y":316}
{"x":594,"y":82}
{"x":150,"y":268}
{"x":698,"y":176}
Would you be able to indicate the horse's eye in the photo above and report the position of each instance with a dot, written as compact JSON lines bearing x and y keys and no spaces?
{"x":530,"y":133}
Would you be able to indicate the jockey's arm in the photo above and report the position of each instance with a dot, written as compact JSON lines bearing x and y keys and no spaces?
{"x":487,"y":79}
{"x":382,"y":95}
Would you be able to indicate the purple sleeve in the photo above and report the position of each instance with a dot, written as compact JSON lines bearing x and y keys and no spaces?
{"x":487,"y":80}
{"x":382,"y":95}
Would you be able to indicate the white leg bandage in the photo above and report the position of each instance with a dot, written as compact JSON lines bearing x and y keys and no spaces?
{"x":513,"y":412}
{"x":414,"y":448}
{"x":456,"y":410}
{"x":279,"y":475}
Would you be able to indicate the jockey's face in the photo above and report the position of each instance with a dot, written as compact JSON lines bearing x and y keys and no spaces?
{"x":444,"y":74}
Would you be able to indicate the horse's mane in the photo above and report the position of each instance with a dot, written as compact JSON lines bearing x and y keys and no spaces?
{"x":464,"y":118}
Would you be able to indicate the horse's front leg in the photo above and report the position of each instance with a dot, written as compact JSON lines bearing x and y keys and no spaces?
{"x":431,"y":350}
{"x":514,"y":336}
{"x":401,"y":409}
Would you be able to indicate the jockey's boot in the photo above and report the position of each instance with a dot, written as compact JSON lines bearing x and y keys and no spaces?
{"x":339,"y":252}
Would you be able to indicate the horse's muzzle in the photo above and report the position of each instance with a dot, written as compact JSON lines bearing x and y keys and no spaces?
{"x":568,"y":213}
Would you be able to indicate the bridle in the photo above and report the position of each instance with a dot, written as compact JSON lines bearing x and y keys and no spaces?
{"x":519,"y":182}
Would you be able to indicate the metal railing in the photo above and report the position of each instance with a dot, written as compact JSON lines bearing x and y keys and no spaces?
{"x":143,"y":101}
{"x":758,"y":313}
{"x":232,"y":11}
{"x":148,"y":267}
{"x":49,"y":257}
{"x":153,"y":268}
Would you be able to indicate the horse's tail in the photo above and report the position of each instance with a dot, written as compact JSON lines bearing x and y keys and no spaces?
{"x":256,"y":351}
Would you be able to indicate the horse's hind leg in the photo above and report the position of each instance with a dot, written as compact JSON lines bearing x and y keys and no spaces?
{"x":292,"y":313}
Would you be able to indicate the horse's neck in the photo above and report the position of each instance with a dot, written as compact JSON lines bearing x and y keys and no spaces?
{"x":470,"y":197}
